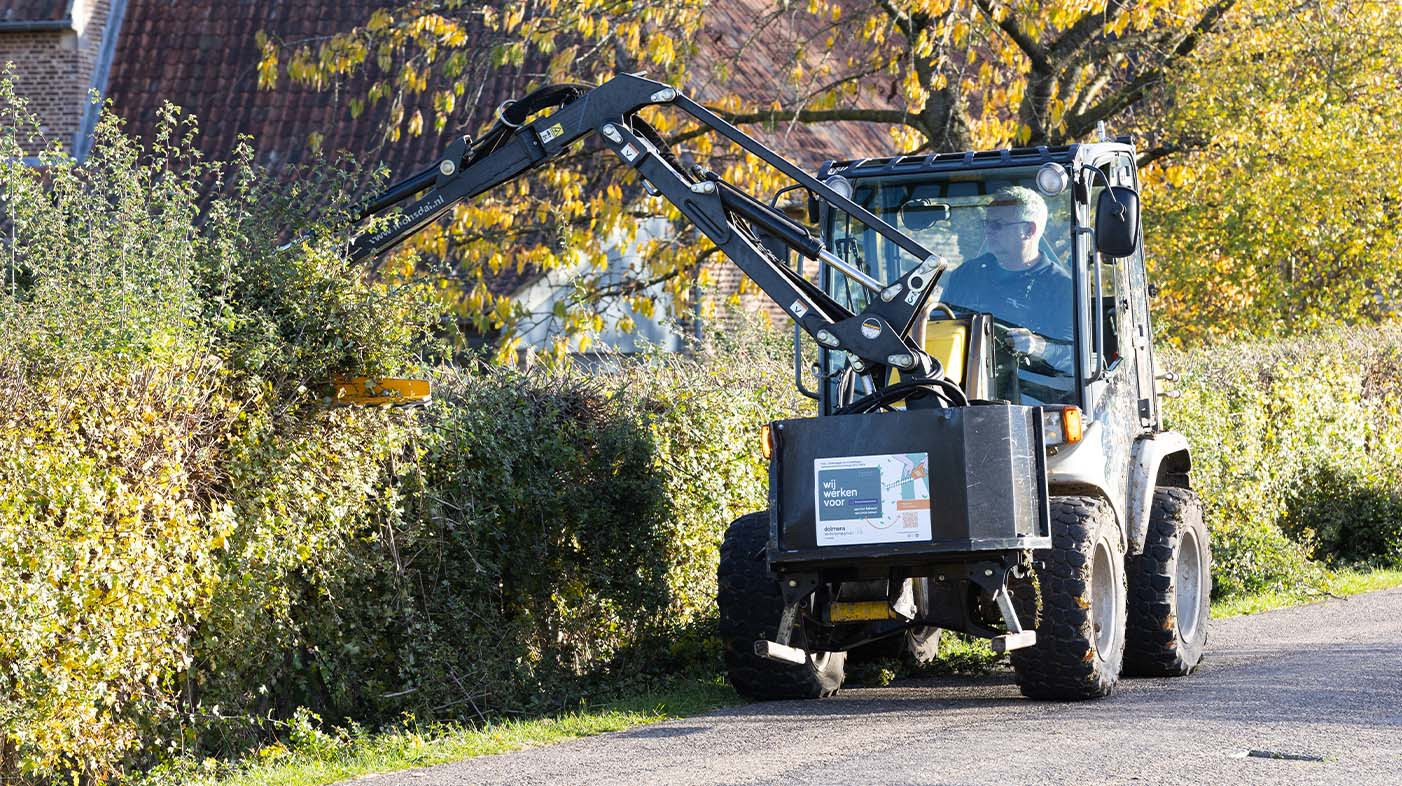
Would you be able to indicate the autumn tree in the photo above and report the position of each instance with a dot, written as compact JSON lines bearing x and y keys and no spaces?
{"x":966,"y":74}
{"x":934,"y":75}
{"x":1280,"y":210}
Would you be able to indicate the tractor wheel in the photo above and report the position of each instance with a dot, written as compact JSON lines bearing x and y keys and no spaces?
{"x":1170,"y":587}
{"x":750,"y":606}
{"x":1081,"y":627}
{"x":922,"y":644}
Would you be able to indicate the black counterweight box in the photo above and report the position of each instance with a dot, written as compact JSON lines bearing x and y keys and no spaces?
{"x":908,"y":486}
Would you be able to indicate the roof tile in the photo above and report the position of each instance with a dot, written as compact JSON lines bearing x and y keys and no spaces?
{"x":201,"y":55}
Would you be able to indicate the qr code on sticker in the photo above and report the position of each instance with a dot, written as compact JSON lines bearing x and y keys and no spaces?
{"x":909,"y":521}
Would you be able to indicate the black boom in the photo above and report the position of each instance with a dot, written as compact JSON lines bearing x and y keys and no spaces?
{"x":742,"y":227}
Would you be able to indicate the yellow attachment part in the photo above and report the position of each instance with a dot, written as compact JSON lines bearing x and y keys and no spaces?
{"x":947,"y":341}
{"x":860,"y":611}
{"x":379,"y":391}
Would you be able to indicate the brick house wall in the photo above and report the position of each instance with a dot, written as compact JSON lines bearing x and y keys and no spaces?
{"x":728,"y":284}
{"x":60,"y":50}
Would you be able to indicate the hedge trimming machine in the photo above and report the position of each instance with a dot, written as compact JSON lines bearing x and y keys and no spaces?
{"x":989,"y":456}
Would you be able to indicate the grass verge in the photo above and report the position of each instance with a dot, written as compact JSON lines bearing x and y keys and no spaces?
{"x":313,"y":758}
{"x":1338,"y":583}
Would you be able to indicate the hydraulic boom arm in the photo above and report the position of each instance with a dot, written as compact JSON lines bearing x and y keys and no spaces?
{"x":741,"y":226}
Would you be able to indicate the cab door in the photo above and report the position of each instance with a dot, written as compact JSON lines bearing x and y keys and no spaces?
{"x":1112,"y":391}
{"x":1135,"y":328}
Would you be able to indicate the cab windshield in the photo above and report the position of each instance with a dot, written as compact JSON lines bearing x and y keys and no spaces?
{"x":1009,"y":248}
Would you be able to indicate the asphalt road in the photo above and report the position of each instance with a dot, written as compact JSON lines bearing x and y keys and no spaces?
{"x":1320,"y":684}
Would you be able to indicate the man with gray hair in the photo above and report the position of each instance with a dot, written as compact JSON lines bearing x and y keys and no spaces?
{"x":1017,"y":282}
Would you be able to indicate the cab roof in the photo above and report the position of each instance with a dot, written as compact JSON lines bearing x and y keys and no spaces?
{"x":986,"y":159}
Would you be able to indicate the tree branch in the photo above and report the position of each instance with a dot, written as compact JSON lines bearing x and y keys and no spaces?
{"x":1034,"y":51}
{"x":1160,"y":152}
{"x":1134,"y":90}
{"x":1084,"y":30}
{"x":888,"y":116}
{"x":1089,"y":93}
{"x":625,"y":287}
{"x":901,"y":19}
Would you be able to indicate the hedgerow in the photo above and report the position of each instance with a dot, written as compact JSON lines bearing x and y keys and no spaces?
{"x":544,"y":533}
{"x":195,"y":548}
{"x":1295,"y":452}
{"x":165,"y":468}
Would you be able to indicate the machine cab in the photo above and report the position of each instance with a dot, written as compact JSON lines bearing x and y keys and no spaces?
{"x":1030,"y":311}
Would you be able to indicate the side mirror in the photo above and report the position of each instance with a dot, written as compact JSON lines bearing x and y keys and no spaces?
{"x":1117,"y":222}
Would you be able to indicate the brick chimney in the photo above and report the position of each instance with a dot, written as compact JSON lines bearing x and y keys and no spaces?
{"x":61,"y":50}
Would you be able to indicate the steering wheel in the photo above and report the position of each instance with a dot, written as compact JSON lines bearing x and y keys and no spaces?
{"x":1006,"y":363}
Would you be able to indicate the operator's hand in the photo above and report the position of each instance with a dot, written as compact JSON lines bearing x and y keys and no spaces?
{"x":1026,"y":343}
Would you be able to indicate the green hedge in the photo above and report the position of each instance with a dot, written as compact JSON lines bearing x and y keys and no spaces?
{"x":543,"y":533}
{"x":105,"y":555}
{"x":1295,"y":452}
{"x":159,"y":542}
{"x":531,"y":537}
{"x":170,"y":489}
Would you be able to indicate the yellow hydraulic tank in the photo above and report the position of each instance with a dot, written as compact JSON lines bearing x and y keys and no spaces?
{"x":947,"y":340}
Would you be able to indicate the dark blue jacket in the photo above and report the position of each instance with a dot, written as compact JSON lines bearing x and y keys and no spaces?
{"x":1039,"y":298}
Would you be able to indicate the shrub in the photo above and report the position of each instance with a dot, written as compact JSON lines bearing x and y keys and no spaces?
{"x":552,"y":531}
{"x":109,"y":534}
{"x":1351,"y":515}
{"x":160,"y":436}
{"x":305,"y":493}
{"x":1284,"y":434}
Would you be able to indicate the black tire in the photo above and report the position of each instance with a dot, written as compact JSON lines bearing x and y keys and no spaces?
{"x":750,"y":606}
{"x":1081,"y":625}
{"x":1170,"y":589}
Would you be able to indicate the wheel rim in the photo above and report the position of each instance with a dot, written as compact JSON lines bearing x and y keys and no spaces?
{"x":1188,"y":590}
{"x":1103,"y":607}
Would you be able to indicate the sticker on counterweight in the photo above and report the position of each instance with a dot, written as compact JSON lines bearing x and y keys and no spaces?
{"x":872,"y":499}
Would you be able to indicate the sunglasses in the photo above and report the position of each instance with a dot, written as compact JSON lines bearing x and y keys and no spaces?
{"x":998,"y":226}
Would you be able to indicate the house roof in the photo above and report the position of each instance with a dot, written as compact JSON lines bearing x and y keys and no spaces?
{"x":747,"y":43}
{"x":202,"y":56}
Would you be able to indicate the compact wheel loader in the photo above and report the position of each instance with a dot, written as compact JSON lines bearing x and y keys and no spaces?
{"x":989,"y":456}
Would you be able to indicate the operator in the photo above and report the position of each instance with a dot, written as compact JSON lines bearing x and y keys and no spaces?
{"x":1016,"y":282}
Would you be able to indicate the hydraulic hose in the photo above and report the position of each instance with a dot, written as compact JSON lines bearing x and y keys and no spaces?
{"x":944,"y":389}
